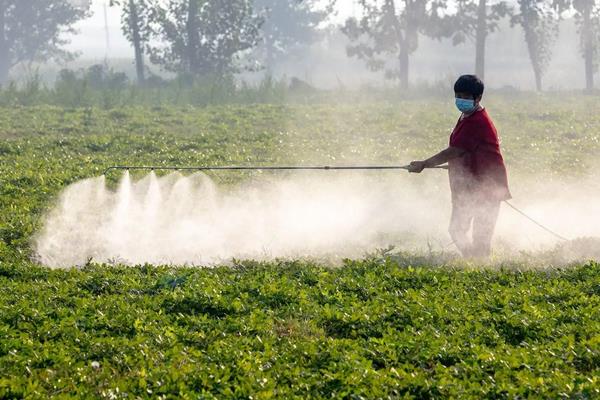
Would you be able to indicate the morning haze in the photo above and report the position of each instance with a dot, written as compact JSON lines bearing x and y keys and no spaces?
{"x":299,"y":199}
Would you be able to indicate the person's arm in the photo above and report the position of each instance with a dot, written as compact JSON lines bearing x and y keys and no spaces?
{"x":440,"y":158}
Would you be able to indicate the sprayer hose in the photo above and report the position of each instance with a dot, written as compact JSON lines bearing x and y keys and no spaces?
{"x":537,"y":223}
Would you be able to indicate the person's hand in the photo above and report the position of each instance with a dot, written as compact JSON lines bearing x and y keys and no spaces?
{"x":417,"y":167}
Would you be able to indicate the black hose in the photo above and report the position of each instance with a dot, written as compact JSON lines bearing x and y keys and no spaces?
{"x":537,"y":223}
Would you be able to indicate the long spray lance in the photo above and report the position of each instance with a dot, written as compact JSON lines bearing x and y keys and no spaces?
{"x":264,"y":168}
{"x":306,"y":168}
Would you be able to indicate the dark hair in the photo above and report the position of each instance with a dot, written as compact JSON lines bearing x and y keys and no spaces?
{"x":469,"y":84}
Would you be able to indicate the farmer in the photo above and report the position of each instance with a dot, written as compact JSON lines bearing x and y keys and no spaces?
{"x":478,"y":180}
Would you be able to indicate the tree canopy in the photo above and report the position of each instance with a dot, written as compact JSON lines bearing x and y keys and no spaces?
{"x":539,"y":20}
{"x":33,"y":30}
{"x":204,"y":38}
{"x":289,"y":25}
{"x":392,"y":28}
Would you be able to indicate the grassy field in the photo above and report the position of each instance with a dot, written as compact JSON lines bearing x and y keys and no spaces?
{"x":387,"y":326}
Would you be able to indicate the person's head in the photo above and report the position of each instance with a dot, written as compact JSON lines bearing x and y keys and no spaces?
{"x":468,"y":91}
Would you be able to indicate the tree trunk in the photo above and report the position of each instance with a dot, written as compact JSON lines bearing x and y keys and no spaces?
{"x":192,"y":37}
{"x":137,"y":41}
{"x":404,"y":65}
{"x":538,"y":79}
{"x":529,"y":25}
{"x":588,"y":45}
{"x":533,"y":57}
{"x":480,"y":37}
{"x":403,"y":42}
{"x":270,"y":53}
{"x":4,"y":49}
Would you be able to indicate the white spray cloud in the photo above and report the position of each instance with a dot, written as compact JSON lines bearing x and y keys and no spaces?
{"x":180,"y":220}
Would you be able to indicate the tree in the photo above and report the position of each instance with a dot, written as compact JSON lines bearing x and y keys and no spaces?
{"x":588,"y":21}
{"x":475,"y":20}
{"x":135,"y":20}
{"x":290,"y":24}
{"x":32,"y":30}
{"x":392,"y":27}
{"x":203,"y":37}
{"x":539,"y":20}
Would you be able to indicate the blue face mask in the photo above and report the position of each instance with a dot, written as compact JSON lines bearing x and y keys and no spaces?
{"x":465,"y":105}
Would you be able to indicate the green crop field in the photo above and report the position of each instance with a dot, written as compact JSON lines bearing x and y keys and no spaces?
{"x":390,"y":325}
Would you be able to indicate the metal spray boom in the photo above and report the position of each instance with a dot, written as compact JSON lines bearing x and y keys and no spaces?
{"x":263,"y":168}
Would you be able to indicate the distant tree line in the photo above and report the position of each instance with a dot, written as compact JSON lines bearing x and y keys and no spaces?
{"x":393,"y":27}
{"x":203,"y":38}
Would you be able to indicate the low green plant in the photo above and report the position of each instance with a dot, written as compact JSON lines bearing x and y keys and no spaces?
{"x":392,"y":325}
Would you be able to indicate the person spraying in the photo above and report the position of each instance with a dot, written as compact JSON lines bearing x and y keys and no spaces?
{"x":476,"y":171}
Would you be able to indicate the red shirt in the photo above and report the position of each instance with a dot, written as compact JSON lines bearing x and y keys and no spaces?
{"x":481,"y":170}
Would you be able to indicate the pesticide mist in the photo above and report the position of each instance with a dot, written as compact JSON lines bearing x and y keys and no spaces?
{"x":190,"y":220}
